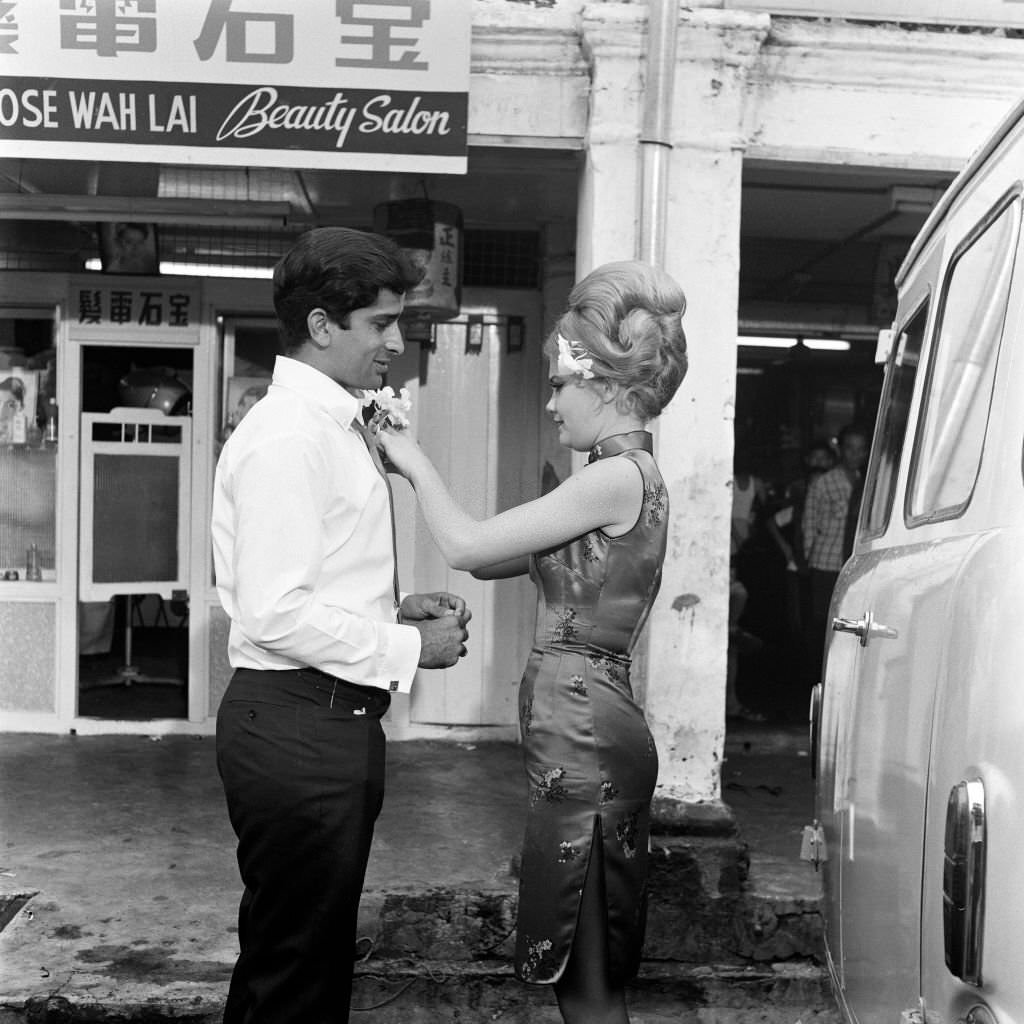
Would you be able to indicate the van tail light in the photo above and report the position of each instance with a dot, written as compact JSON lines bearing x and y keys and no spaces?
{"x":963,"y":880}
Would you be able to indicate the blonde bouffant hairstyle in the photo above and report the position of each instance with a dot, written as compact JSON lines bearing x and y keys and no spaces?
{"x":628,"y":317}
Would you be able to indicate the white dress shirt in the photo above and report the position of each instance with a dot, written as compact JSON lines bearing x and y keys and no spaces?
{"x":302,"y":541}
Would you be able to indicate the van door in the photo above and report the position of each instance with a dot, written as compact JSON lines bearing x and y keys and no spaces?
{"x":911,"y":629}
{"x":840,"y":677}
{"x":967,"y":481}
{"x":971,"y":892}
{"x":902,"y":664}
{"x":871,"y":743}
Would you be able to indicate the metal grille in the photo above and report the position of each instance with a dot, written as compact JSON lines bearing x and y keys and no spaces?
{"x":501,"y":259}
{"x":226,"y":246}
{"x":493,"y":259}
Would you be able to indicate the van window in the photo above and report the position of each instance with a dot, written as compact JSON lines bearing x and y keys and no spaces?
{"x":880,"y":485}
{"x":949,"y":444}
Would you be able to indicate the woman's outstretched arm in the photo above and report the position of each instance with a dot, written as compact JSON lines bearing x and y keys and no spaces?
{"x":503,"y":570}
{"x":606,"y":495}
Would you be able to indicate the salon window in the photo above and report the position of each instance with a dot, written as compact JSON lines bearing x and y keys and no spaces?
{"x":28,"y":445}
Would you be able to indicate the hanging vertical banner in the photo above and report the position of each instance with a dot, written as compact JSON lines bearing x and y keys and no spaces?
{"x":431,"y":234}
{"x":349,"y":84}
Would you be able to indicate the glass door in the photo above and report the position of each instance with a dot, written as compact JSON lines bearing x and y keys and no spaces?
{"x":134,"y":525}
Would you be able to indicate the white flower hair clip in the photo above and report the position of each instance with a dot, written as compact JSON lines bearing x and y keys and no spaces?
{"x":574,"y":359}
{"x":389,"y":409}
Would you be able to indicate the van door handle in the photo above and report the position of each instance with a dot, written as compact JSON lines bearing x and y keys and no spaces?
{"x":865,"y":628}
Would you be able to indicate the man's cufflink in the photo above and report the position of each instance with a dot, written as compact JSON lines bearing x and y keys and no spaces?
{"x":393,"y":686}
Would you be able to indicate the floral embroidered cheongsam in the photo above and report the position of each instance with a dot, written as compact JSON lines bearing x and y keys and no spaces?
{"x":590,"y":759}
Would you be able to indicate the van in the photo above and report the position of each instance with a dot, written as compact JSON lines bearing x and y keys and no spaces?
{"x":917,"y":727}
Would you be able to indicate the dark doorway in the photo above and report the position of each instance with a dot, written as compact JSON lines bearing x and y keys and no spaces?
{"x":787,"y":401}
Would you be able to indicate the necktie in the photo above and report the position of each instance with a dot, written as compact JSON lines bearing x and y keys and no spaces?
{"x":361,"y":430}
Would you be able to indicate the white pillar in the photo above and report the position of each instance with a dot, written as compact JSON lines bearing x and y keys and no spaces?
{"x":607,"y":216}
{"x":688,"y":631}
{"x":682,"y":669}
{"x":687,"y":634}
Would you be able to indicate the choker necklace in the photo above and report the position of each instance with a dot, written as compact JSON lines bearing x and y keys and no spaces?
{"x":618,"y":443}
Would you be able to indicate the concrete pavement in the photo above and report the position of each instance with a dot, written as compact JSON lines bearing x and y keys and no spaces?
{"x":118,"y":875}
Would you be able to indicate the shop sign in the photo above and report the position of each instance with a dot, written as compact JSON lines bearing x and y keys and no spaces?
{"x":999,"y":13}
{"x":350,"y":84}
{"x":133,"y":307}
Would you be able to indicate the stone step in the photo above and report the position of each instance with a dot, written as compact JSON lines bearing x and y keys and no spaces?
{"x":463,"y":926}
{"x":400,"y":992}
{"x":708,"y":905}
{"x":446,"y":992}
{"x":705,"y":907}
{"x":444,"y":955}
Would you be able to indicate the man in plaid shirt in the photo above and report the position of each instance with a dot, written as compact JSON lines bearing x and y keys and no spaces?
{"x":826,"y":511}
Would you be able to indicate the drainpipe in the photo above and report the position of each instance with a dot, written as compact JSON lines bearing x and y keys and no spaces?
{"x":656,"y":132}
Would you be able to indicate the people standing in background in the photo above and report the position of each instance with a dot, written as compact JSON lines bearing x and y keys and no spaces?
{"x":786,"y":528}
{"x":825,"y":532}
{"x":740,"y":643}
{"x":750,"y":583}
{"x":749,"y":497}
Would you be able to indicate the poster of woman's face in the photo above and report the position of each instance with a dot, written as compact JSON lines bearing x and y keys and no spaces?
{"x":129,"y":247}
{"x":17,"y":395}
{"x":243,"y":394}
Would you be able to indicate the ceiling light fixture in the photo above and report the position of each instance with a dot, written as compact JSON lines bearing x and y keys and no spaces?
{"x":172,"y":269}
{"x":754,"y":341}
{"x":147,"y":210}
{"x":818,"y":344}
{"x":827,"y":344}
{"x":213,"y":270}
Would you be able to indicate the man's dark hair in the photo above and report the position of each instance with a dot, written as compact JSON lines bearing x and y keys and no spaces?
{"x":853,"y":430}
{"x":338,"y":270}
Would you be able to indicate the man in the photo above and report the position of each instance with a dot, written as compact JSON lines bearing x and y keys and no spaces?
{"x":829,"y":505}
{"x":304,"y":556}
{"x":785,"y":527}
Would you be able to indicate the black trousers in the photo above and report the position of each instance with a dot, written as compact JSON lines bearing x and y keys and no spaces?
{"x":302,"y":760}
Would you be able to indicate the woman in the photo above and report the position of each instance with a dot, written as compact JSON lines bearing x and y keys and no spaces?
{"x":594,"y":546}
{"x":749,"y":498}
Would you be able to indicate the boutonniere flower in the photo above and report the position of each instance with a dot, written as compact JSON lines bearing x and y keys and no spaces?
{"x":573,"y":359}
{"x":389,"y":409}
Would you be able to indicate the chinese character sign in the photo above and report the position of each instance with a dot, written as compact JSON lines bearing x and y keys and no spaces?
{"x":124,"y":306}
{"x":379,"y":85}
